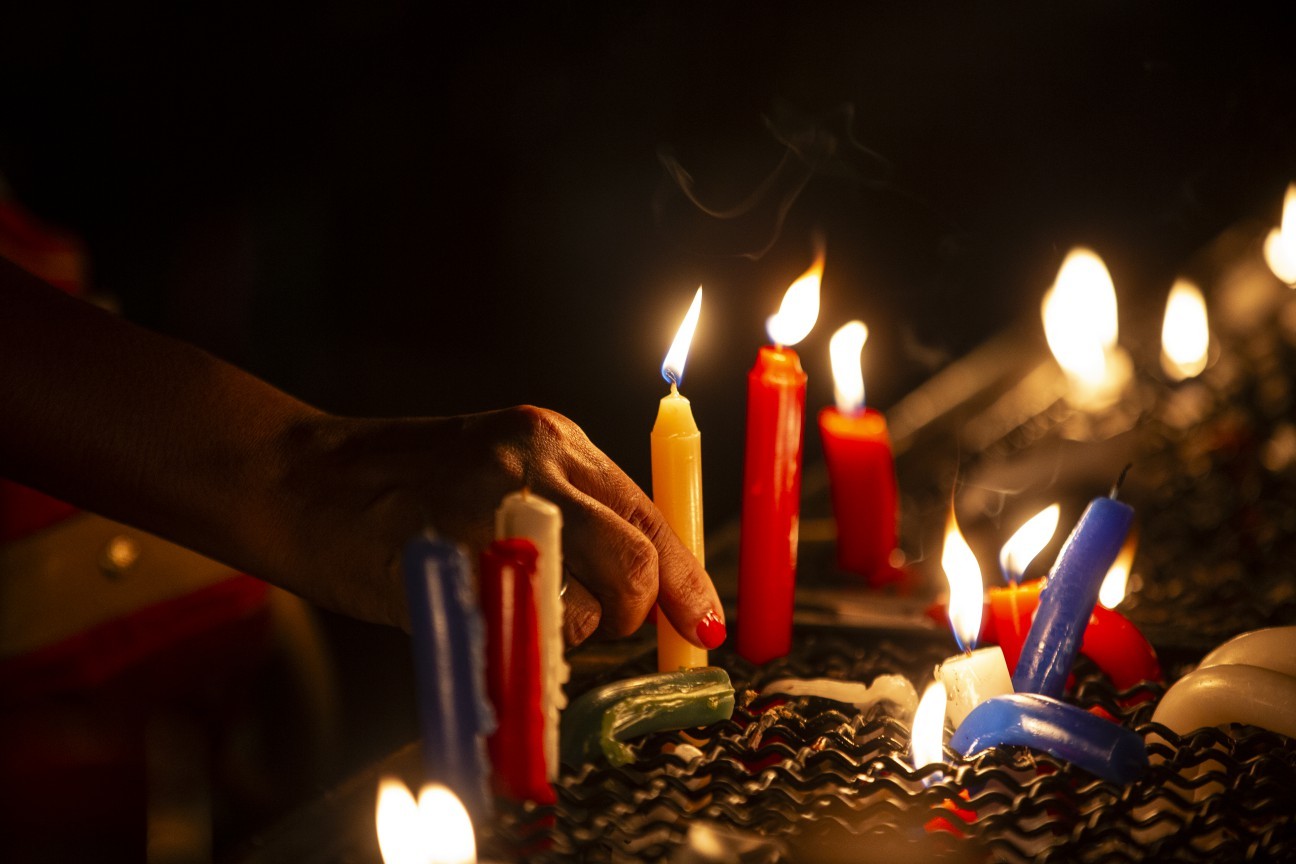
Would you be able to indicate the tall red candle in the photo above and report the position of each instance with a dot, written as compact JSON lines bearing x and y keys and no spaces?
{"x":513,"y":682}
{"x":861,"y":469}
{"x":771,"y":508}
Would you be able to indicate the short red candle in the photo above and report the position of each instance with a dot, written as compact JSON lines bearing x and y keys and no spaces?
{"x":513,"y":682}
{"x":1110,"y":639}
{"x":861,"y":477}
{"x":1011,"y":609}
{"x":771,"y":507}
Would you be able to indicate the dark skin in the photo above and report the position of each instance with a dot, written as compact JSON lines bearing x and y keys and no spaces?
{"x":156,"y":433}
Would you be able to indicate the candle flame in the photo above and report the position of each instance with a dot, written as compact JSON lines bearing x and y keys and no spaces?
{"x":436,"y":830}
{"x":1185,"y":335}
{"x":1114,"y":583}
{"x":966,"y":590}
{"x":800,"y":308}
{"x":927,"y":740}
{"x":1080,"y":319}
{"x":673,"y":365}
{"x":848,"y":379}
{"x":1027,"y":542}
{"x":1280,"y":245}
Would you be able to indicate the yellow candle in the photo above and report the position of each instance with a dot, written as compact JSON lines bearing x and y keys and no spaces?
{"x":677,"y":485}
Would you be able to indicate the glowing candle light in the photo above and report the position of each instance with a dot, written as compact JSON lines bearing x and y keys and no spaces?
{"x":771,"y":508}
{"x":677,"y":492}
{"x":434,"y":830}
{"x":1280,"y":244}
{"x":1080,"y":323}
{"x":861,"y":469}
{"x":1116,"y":581}
{"x":1185,"y":333}
{"x":971,"y":678}
{"x":927,"y":739}
{"x":1027,"y":542}
{"x":1110,"y":640}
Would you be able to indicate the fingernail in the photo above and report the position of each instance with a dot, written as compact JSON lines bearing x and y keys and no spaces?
{"x":711,"y":631}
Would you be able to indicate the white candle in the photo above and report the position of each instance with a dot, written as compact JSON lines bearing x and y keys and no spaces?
{"x":1217,"y":695}
{"x":525,"y":514}
{"x":976,"y":675}
{"x":971,"y":679}
{"x":1249,"y":679}
{"x":1271,"y":648}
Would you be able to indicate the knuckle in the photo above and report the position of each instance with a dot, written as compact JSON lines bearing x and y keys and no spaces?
{"x":540,"y":422}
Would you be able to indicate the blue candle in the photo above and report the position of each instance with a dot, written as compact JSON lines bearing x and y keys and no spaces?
{"x":1069,"y":596}
{"x":1099,"y":746}
{"x":449,"y":661}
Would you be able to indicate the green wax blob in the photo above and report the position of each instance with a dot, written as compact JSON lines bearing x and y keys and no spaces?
{"x":602,"y":720}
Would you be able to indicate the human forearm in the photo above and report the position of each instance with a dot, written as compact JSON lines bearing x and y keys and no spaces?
{"x":134,"y":425}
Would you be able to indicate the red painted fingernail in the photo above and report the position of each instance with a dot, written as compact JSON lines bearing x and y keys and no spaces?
{"x":711,"y":631}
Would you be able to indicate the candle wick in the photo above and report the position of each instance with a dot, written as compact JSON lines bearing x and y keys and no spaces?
{"x":1120,"y":480}
{"x":674,"y":389}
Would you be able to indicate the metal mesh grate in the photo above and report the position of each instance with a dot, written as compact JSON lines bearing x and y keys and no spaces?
{"x":809,"y":779}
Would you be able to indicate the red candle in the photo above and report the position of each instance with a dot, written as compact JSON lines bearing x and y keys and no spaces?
{"x":1110,"y":639}
{"x":771,"y":508}
{"x":508,"y":602}
{"x":861,"y":469}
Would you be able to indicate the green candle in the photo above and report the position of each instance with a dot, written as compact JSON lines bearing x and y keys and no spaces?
{"x":602,"y":720}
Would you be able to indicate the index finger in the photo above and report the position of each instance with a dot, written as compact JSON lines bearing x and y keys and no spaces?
{"x":686,"y":594}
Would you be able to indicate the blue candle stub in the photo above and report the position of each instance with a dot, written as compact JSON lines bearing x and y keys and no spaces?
{"x":1101,"y":747}
{"x":449,"y":661}
{"x":1069,"y":596}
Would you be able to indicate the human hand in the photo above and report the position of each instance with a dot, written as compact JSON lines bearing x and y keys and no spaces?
{"x":371,"y":484}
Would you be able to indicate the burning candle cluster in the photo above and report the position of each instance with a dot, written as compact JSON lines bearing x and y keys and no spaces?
{"x":861,"y":471}
{"x":493,"y":713}
{"x":1041,"y":630}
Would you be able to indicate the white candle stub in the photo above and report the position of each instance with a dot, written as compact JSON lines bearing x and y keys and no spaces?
{"x":972,"y":678}
{"x":525,"y":514}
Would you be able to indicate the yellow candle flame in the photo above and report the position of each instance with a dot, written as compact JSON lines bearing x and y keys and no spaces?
{"x":1027,"y":542}
{"x":1185,"y":334}
{"x":1280,"y":245}
{"x":1080,"y":318}
{"x":966,"y":589}
{"x":1112,"y":591}
{"x":800,"y":308}
{"x":927,"y":740}
{"x":435,"y":830}
{"x":848,"y":378}
{"x":673,"y":365}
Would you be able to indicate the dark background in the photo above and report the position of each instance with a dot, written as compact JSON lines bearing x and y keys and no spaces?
{"x":385,"y":208}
